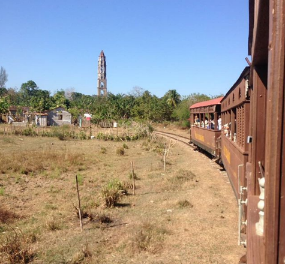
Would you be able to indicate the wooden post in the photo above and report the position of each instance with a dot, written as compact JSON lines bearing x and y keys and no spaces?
{"x":79,"y":207}
{"x":133,"y":176}
{"x":164,"y":158}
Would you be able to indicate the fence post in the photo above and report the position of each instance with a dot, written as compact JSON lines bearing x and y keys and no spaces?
{"x":79,"y":206}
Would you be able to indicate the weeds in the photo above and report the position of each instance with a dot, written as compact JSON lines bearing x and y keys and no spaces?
{"x":16,"y":248}
{"x":183,"y":176}
{"x":81,"y":255}
{"x":120,"y":151}
{"x":125,"y":146}
{"x":7,"y":216}
{"x":2,"y":191}
{"x":149,"y":238}
{"x":104,"y":219}
{"x":52,"y":225}
{"x":80,"y":179}
{"x":103,"y":150}
{"x":113,"y":192}
{"x":184,"y":203}
{"x":135,"y":176}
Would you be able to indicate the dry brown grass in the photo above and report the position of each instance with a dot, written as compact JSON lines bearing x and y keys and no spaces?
{"x":156,"y":225}
{"x":39,"y":161}
{"x":149,"y":237}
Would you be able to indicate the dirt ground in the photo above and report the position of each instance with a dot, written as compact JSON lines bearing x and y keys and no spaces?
{"x":185,"y":214}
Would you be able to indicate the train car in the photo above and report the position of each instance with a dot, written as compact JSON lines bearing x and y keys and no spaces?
{"x":264,"y":193}
{"x":235,"y":107}
{"x":205,"y":130}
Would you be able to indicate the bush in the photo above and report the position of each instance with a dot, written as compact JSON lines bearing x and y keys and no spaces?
{"x":52,"y":225}
{"x":103,"y":150}
{"x":113,"y":192}
{"x":184,"y":203}
{"x":7,"y":216}
{"x":16,"y":248}
{"x":29,"y":132}
{"x":125,"y":146}
{"x":120,"y":151}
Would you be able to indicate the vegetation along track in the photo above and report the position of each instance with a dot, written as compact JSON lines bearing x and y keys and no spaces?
{"x":179,"y":138}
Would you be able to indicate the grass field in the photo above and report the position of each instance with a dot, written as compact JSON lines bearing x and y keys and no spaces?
{"x":186,"y":214}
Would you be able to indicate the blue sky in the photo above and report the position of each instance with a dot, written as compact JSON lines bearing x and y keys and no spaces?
{"x":158,"y":45}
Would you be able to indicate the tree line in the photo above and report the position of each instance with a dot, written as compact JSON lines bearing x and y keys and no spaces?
{"x":137,"y":105}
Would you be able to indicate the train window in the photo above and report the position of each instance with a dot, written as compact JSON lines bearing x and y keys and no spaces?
{"x":234,"y":126}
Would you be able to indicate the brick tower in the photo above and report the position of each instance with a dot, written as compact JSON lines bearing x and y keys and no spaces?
{"x":102,"y":81}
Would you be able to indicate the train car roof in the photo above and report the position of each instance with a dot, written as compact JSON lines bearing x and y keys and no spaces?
{"x":244,"y":73}
{"x":216,"y":101}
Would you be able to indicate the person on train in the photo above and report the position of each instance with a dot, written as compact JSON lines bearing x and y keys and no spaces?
{"x":220,"y":123}
{"x":196,"y":121}
{"x":206,"y":122}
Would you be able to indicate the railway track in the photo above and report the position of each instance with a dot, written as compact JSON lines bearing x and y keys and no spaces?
{"x":186,"y":141}
{"x":179,"y":138}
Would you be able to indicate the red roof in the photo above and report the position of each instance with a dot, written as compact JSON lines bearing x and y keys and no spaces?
{"x":215,"y":101}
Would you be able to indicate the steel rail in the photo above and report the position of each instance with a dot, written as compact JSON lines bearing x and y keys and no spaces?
{"x":179,"y":138}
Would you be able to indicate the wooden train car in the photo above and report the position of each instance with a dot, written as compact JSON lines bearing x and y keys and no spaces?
{"x":253,"y":137}
{"x":235,"y":126}
{"x":204,"y":119}
{"x":265,"y":169}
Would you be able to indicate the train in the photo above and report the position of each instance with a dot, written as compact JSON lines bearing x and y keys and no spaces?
{"x":245,"y":131}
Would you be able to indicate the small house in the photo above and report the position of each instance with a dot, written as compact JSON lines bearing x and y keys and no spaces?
{"x":58,"y":117}
{"x":41,"y":119}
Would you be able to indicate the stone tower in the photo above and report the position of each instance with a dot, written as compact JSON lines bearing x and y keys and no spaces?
{"x":102,"y":81}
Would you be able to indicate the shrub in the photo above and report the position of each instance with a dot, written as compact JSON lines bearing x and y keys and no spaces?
{"x":125,"y":146}
{"x":184,"y":203}
{"x":103,"y":150}
{"x":113,"y":192}
{"x":29,"y":132}
{"x":7,"y":216}
{"x":52,"y":225}
{"x":82,"y":135}
{"x":16,"y":248}
{"x":120,"y":151}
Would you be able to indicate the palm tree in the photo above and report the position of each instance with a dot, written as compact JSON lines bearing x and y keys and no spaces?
{"x":173,"y":98}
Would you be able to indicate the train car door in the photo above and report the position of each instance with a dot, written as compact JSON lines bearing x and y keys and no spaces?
{"x":274,"y":219}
